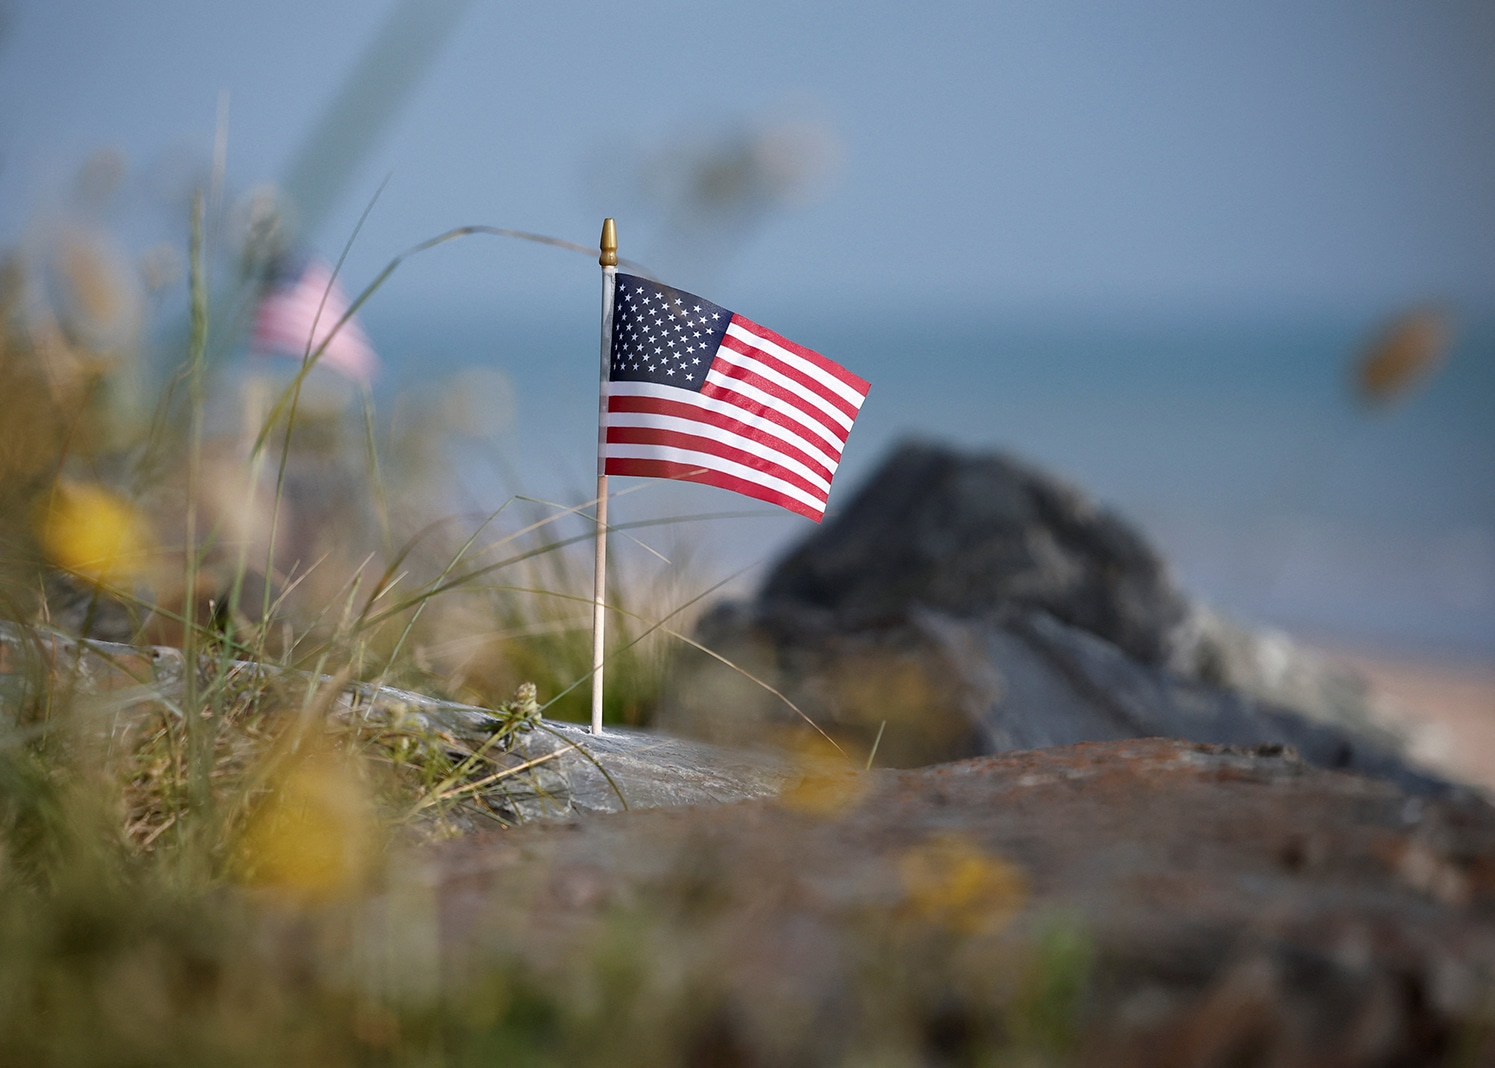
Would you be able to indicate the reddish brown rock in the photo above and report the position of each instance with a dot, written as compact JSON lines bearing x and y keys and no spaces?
{"x":1122,"y":903}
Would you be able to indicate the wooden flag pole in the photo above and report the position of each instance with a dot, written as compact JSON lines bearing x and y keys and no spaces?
{"x":609,"y":261}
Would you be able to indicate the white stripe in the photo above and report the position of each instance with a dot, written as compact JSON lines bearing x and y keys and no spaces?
{"x":293,"y":320}
{"x":721,"y":407}
{"x":706,"y":460}
{"x":315,"y":297}
{"x":302,"y":316}
{"x":805,"y":397}
{"x":710,"y":430}
{"x":768,"y":400}
{"x":794,"y":359}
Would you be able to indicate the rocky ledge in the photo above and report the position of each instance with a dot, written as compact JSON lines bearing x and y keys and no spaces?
{"x":1139,"y":902}
{"x":557,"y":769}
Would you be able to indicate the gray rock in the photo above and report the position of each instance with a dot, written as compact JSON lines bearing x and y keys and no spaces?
{"x":965,"y":533}
{"x":633,"y":769}
{"x":555,"y":769}
{"x":1269,"y":666}
{"x":968,"y":604}
{"x":560,"y":769}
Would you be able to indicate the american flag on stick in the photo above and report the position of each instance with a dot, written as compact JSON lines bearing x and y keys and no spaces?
{"x":300,"y":310}
{"x":696,"y":392}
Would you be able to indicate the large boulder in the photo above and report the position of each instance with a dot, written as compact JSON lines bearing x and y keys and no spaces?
{"x":962,"y":534}
{"x":964,"y":604}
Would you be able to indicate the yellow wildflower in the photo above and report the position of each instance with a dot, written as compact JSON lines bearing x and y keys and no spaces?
{"x":952,"y":881}
{"x":312,"y":839}
{"x":95,"y":533}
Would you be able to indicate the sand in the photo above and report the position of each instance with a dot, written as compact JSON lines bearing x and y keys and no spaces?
{"x":1450,"y":703}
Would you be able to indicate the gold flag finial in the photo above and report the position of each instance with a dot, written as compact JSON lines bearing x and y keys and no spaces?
{"x":609,"y":257}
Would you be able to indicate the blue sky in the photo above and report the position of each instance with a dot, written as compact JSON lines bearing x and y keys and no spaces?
{"x":1299,"y":168}
{"x":1160,"y":153}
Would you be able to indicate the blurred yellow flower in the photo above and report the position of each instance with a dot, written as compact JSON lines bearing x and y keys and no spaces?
{"x":826,"y":782}
{"x":952,"y":881}
{"x":95,"y":533}
{"x":825,"y":792}
{"x":312,"y":839}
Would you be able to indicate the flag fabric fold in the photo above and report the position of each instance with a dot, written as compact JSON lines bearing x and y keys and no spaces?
{"x":300,"y":310}
{"x":699,"y":393}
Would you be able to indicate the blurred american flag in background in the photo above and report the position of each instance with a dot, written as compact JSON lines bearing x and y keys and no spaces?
{"x":300,"y":310}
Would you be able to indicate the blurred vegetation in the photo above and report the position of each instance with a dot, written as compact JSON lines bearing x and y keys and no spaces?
{"x":171,"y":492}
{"x":206,"y":855}
{"x":706,"y":190}
{"x":183,"y":850}
{"x":206,"y":852}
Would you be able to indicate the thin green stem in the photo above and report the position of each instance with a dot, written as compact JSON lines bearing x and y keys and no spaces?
{"x":198,"y":745}
{"x":309,"y":359}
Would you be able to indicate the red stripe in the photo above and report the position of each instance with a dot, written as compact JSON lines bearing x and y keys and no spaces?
{"x":773,"y":415}
{"x":861,"y":385}
{"x":281,"y":319}
{"x":314,"y":298}
{"x":292,"y":337}
{"x":288,"y":321}
{"x":272,"y":331}
{"x":679,"y":409}
{"x":806,"y":383}
{"x":688,"y":473}
{"x":637,"y":435}
{"x":790,"y":399}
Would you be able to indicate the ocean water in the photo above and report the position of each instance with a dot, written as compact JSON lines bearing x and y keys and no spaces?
{"x":1234,"y":442}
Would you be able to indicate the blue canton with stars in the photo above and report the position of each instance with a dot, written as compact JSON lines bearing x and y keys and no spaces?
{"x":663,"y":335}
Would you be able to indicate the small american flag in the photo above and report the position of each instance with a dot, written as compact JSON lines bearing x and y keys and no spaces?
{"x":300,"y":310}
{"x":699,"y":393}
